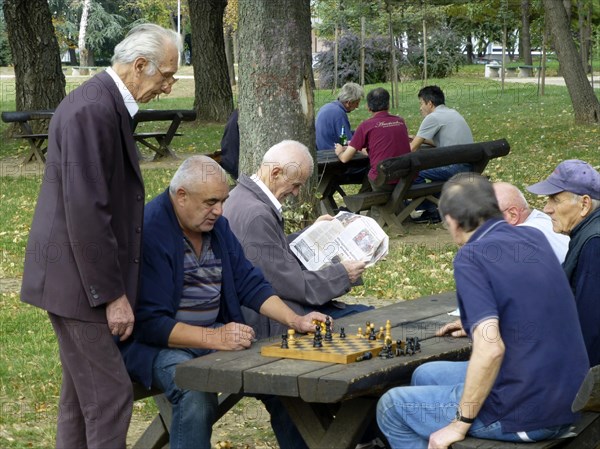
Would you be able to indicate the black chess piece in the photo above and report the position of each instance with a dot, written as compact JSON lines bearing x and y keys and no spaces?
{"x":399,"y":348}
{"x":284,"y":341}
{"x":372,"y":334}
{"x":410,"y":346}
{"x":417,"y":345}
{"x":366,"y":356}
{"x":328,"y":336}
{"x":317,"y":340}
{"x":342,"y":333}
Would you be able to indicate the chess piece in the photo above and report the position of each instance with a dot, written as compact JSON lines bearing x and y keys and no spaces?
{"x":417,"y":345}
{"x":317,"y":340}
{"x":381,"y":334}
{"x":328,"y":336}
{"x":410,"y":346}
{"x":284,"y":341}
{"x":291,"y":336}
{"x":388,"y":330}
{"x":359,"y":333}
{"x":400,"y":348}
{"x":342,"y":333}
{"x":386,"y":351}
{"x":366,"y":356}
{"x":372,"y":335}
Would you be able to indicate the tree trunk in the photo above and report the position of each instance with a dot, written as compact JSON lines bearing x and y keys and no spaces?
{"x":525,"y":46}
{"x":39,"y":80}
{"x":585,"y":34}
{"x":83,"y":50}
{"x":228,"y":36}
{"x":276,"y":98}
{"x":213,"y":100}
{"x":585,"y":104}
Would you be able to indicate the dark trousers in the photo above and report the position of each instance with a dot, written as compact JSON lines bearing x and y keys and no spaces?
{"x":96,"y":397}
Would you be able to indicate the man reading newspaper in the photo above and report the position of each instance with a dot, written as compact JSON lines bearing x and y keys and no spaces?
{"x":254,"y":213}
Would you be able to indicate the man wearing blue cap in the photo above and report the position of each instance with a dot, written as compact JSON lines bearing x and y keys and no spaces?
{"x":573,"y":191}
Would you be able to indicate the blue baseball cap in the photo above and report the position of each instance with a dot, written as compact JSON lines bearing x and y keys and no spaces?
{"x":573,"y":176}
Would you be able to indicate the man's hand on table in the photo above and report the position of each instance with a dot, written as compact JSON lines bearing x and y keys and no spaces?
{"x":454,"y":329}
{"x":233,"y":337}
{"x":305,"y":323}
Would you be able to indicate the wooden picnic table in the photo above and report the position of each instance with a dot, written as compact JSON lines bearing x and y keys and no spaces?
{"x":333,"y":174}
{"x":332,"y":404}
{"x":159,"y":141}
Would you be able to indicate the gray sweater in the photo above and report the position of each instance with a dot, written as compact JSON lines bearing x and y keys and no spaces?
{"x":259,"y":227}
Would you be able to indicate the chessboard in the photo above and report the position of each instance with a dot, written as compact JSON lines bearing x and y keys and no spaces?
{"x":339,"y":350}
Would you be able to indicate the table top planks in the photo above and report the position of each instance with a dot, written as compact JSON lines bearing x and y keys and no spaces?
{"x":249,"y":372}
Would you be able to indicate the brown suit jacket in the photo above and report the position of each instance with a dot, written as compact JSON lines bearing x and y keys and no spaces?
{"x":84,"y":247}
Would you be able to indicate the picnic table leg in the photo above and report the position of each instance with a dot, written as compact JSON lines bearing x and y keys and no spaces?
{"x":156,"y":436}
{"x":322,"y":430}
{"x":35,"y":151}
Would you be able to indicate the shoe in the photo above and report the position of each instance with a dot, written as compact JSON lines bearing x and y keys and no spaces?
{"x":428,"y":216}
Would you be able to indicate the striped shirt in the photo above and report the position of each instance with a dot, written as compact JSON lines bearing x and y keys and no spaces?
{"x":199,"y":305}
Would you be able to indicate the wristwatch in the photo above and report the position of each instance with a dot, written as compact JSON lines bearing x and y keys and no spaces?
{"x":461,"y":418}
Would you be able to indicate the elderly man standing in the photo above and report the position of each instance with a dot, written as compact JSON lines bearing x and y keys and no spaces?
{"x":517,"y":307}
{"x":254,"y":213}
{"x":517,"y":212}
{"x":332,"y":118}
{"x":83,"y":254}
{"x":195,"y":278}
{"x":573,"y":191}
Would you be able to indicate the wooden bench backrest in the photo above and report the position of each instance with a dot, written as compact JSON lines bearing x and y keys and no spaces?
{"x":153,"y":115}
{"x":407,"y":166}
{"x":24,"y":116}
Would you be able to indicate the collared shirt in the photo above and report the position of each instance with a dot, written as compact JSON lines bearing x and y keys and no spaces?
{"x":130,"y":103}
{"x":265,"y":189}
{"x":202,"y":280}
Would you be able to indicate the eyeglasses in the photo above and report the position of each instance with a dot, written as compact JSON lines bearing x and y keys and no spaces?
{"x":168,"y":81}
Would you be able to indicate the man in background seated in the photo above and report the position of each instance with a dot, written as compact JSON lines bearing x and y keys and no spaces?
{"x":517,"y":212}
{"x":195,"y":278}
{"x":441,"y":127}
{"x":230,"y":145}
{"x":383,"y":135}
{"x":254,"y":213}
{"x":517,"y":307}
{"x":333,"y":116}
{"x":573,"y":191}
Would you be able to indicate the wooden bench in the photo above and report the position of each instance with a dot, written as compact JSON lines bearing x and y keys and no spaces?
{"x":156,"y":435}
{"x":83,"y":70}
{"x":37,"y":140}
{"x":392,"y":208}
{"x":586,"y":434}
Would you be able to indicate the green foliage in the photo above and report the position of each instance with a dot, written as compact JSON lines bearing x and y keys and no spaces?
{"x":5,"y":54}
{"x":377,"y":58}
{"x":444,"y":56}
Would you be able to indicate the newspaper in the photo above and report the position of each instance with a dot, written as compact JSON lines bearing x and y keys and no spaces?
{"x":347,"y":237}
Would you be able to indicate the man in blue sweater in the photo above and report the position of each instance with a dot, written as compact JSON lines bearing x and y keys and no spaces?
{"x":516,"y":305}
{"x":195,"y":278}
{"x":333,"y":116}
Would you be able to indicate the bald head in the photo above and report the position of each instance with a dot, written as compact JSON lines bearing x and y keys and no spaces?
{"x":512,"y":203}
{"x":194,"y":171}
{"x":285,"y":168}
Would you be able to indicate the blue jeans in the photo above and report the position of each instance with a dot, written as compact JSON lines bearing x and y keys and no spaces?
{"x":407,"y":416}
{"x":194,"y":412}
{"x":439,"y":174}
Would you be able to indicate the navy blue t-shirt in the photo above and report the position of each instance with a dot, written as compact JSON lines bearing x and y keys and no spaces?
{"x":510,"y":273}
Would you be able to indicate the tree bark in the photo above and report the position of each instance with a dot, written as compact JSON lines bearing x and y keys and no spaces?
{"x":213,"y":100}
{"x":228,"y":36}
{"x":585,"y":104}
{"x":83,"y":50}
{"x":525,"y":33}
{"x":276,"y":81}
{"x":39,"y":80}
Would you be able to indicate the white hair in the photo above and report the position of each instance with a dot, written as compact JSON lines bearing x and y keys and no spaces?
{"x":148,"y":41}
{"x":289,"y":154}
{"x":193,"y":171}
{"x":595,"y":203}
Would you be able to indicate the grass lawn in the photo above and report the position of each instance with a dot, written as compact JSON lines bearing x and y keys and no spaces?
{"x":541,"y":133}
